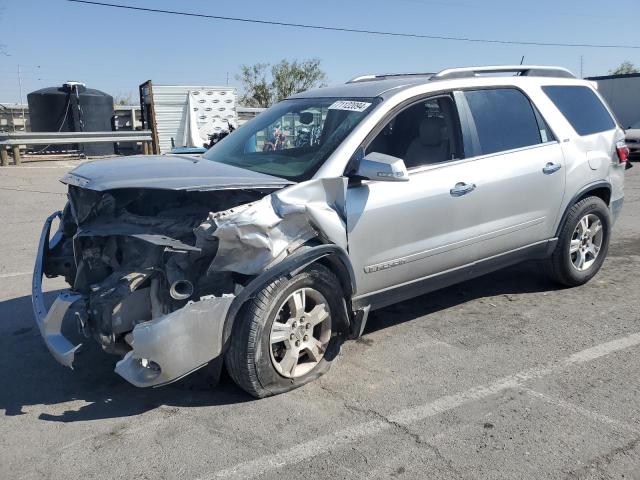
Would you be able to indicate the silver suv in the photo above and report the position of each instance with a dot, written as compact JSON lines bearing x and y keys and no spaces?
{"x":270,"y":250}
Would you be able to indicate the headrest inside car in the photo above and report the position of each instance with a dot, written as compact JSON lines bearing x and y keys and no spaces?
{"x":432,"y":131}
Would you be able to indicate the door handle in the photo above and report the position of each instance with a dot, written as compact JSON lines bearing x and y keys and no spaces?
{"x":462,"y":188}
{"x":550,"y":168}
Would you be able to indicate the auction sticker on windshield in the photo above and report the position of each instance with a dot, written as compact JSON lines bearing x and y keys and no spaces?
{"x":349,"y":105}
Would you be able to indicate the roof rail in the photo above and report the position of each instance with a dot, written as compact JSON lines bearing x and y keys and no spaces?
{"x":384,"y":76}
{"x":521,"y":70}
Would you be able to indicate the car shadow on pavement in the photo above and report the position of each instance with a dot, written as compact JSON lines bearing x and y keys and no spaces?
{"x":522,"y":278}
{"x":30,"y":377}
{"x":32,"y":381}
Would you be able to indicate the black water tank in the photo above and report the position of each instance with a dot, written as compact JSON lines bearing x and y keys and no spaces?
{"x":72,"y":108}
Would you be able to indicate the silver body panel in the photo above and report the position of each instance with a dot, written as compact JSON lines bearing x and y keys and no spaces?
{"x":425,"y":230}
{"x":167,"y":172}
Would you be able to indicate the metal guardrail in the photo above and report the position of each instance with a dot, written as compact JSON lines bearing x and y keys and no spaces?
{"x":16,"y":139}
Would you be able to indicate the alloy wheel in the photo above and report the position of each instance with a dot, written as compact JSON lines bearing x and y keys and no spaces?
{"x":586,"y":242}
{"x":300,"y":333}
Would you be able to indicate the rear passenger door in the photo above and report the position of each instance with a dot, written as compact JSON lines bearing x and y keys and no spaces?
{"x":518,"y":169}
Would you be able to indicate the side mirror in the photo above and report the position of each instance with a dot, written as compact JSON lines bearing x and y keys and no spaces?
{"x":383,"y":168}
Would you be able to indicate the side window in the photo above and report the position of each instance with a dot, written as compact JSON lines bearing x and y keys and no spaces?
{"x":424,"y":133}
{"x":504,"y":119}
{"x":581,"y":107}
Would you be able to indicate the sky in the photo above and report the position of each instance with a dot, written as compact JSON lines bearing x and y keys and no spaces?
{"x":115,"y":50}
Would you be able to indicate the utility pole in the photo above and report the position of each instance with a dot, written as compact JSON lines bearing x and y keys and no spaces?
{"x":227,"y":79}
{"x":24,"y":124}
{"x":581,"y":66}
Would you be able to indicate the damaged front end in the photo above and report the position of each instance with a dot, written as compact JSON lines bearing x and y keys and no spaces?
{"x":153,"y":273}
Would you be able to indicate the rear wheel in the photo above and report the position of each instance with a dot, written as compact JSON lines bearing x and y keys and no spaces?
{"x":582,"y":244}
{"x":286,"y":335}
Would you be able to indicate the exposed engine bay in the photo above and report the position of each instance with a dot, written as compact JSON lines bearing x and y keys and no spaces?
{"x":137,"y":256}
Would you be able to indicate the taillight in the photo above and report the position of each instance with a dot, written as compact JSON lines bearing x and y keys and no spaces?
{"x":623,"y":151}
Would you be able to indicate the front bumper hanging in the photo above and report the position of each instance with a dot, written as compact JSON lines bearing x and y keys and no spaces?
{"x":50,"y":322}
{"x":164,"y":349}
{"x":172,"y":346}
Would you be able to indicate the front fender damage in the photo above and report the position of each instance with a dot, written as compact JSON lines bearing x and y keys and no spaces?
{"x":255,"y":237}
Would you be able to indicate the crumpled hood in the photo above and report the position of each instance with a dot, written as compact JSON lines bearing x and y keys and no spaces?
{"x":170,"y":172}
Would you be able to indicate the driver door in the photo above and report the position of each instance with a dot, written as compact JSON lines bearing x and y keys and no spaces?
{"x":402,"y":232}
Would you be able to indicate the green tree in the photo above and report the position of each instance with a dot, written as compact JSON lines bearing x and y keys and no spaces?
{"x":257,"y":91}
{"x":294,"y":77}
{"x":286,"y":78}
{"x":624,"y":68}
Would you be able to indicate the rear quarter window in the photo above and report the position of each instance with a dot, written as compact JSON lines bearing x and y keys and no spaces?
{"x":581,"y":107}
{"x":504,"y":119}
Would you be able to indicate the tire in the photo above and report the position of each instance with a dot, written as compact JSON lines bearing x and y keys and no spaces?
{"x":250,"y":358}
{"x":564,"y":266}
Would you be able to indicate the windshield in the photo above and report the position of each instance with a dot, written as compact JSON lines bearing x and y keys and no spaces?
{"x":293,"y":138}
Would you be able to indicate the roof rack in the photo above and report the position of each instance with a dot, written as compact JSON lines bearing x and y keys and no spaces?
{"x":370,"y":78}
{"x":466,"y":72}
{"x":520,"y":70}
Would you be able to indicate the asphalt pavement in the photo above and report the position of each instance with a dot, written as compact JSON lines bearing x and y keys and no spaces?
{"x":506,"y":376}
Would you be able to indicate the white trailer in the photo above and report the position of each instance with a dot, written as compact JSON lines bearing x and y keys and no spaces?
{"x":184,"y":116}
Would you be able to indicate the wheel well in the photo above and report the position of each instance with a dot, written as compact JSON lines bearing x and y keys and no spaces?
{"x":340,"y":270}
{"x":333,"y":263}
{"x":331,"y":258}
{"x":603,"y":192}
{"x":600,"y":190}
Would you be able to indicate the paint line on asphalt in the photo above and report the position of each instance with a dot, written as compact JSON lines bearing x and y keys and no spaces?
{"x":26,"y":190}
{"x":585,"y":412}
{"x":341,"y":438}
{"x":15,"y":274}
{"x":603,"y":349}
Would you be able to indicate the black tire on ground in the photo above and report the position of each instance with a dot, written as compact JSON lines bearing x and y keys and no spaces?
{"x":248,"y":356}
{"x":559,"y":266}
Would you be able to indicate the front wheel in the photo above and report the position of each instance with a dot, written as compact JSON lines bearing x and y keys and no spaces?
{"x":582,"y":244}
{"x":286,"y":335}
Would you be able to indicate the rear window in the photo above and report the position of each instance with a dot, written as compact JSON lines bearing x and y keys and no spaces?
{"x":504,"y":119}
{"x":581,"y":107}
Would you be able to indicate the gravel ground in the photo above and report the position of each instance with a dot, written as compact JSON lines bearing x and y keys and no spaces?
{"x":505,"y":376}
